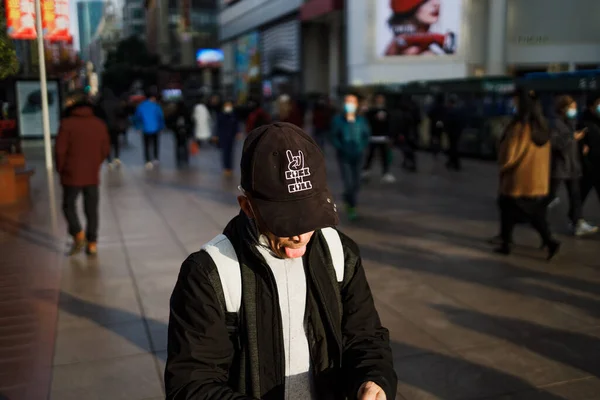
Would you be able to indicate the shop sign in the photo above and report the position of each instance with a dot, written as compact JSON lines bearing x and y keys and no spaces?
{"x":55,"y":20}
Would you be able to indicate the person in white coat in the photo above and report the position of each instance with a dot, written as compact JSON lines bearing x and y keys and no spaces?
{"x":202,"y":123}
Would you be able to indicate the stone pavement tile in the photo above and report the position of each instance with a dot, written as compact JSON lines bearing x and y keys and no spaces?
{"x":504,"y":299}
{"x":36,"y":386}
{"x":155,"y":293}
{"x":579,"y":389}
{"x":109,"y":263}
{"x":151,"y":260}
{"x":407,"y":339}
{"x":158,"y":328}
{"x":449,"y":377}
{"x":126,"y":378}
{"x":91,"y":302}
{"x":519,"y":361}
{"x":101,"y":342}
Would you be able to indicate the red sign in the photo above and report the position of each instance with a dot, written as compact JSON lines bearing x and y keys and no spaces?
{"x":55,"y":20}
{"x":20,"y":19}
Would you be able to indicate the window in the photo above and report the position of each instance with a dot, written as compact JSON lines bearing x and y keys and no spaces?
{"x":138,"y":13}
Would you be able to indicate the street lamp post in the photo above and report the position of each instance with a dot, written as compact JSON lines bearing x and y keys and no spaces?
{"x":43,"y":86}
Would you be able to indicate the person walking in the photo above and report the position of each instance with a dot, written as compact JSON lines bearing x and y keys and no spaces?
{"x":524,"y":159}
{"x":437,"y":115}
{"x":202,"y":124}
{"x":566,"y":163}
{"x":454,"y":122}
{"x":278,"y":306}
{"x":321,"y":120}
{"x":591,"y":148}
{"x":150,"y":120}
{"x":179,"y":122}
{"x":227,"y":130}
{"x":257,"y":115}
{"x":350,"y":135}
{"x":380,"y":123}
{"x":109,"y":108}
{"x":82,"y":145}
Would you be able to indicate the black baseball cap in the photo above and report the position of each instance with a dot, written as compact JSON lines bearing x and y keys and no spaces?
{"x":283,"y":170}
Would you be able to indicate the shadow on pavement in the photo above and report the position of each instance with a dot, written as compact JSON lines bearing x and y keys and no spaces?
{"x":449,"y":377}
{"x":26,"y":232}
{"x":101,"y":314}
{"x":577,"y":350}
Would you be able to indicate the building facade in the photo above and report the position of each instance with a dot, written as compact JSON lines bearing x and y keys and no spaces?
{"x":89,"y":16}
{"x":464,"y":38}
{"x":134,"y":19}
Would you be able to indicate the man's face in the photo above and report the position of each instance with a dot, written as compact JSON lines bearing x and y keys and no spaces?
{"x":283,"y":247}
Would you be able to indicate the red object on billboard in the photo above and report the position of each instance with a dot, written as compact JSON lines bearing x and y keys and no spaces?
{"x":55,"y":20}
{"x":20,"y":19}
{"x":403,"y":6}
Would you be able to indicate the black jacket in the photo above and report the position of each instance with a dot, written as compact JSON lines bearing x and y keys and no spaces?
{"x":379,"y":120}
{"x":591,"y":121}
{"x":566,"y":159}
{"x":348,"y":346}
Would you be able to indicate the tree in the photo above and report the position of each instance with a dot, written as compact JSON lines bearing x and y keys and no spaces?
{"x":9,"y":64}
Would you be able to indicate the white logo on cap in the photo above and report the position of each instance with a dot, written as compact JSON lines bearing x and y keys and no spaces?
{"x":297,"y":172}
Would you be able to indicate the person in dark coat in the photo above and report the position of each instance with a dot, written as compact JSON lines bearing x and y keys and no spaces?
{"x":437,"y":115}
{"x":82,"y":145}
{"x":566,"y":162}
{"x":591,"y":148}
{"x":454,"y":123}
{"x":109,"y":106}
{"x":180,"y":123}
{"x":380,"y":121}
{"x":278,"y":306}
{"x":227,"y":130}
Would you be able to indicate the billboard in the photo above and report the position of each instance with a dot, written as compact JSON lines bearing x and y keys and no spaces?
{"x":247,"y":64}
{"x":418,"y":27}
{"x":55,"y":20}
{"x":29,"y":103}
{"x":20,"y":19}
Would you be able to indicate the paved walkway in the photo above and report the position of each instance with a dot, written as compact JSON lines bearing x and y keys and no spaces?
{"x":465,"y":323}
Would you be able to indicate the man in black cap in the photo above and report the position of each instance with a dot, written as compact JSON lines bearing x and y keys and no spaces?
{"x":278,"y":306}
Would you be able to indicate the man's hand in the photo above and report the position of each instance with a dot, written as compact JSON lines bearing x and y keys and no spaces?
{"x":586,"y":150}
{"x":371,"y":391}
{"x":580,"y":134}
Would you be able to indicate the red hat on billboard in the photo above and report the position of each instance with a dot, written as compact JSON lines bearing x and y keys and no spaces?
{"x":404,"y":6}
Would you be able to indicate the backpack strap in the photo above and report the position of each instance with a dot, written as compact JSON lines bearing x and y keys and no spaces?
{"x":223,"y":255}
{"x":336,"y":250}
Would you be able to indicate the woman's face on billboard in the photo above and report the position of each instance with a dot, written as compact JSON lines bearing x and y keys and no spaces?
{"x":429,"y":12}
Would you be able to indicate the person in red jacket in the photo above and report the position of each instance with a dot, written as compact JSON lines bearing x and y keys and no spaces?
{"x":82,"y":145}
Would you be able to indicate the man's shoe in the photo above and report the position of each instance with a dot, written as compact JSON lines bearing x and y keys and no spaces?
{"x":92,"y":249}
{"x":553,"y":248}
{"x":78,"y":244}
{"x":584,"y":228}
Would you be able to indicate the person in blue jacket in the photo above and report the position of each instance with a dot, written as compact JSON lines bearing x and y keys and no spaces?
{"x":149,"y":118}
{"x":227,"y":129}
{"x":350,"y":136}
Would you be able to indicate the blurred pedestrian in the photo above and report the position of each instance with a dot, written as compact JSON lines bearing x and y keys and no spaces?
{"x":202,"y":123}
{"x":149,"y":118}
{"x":454,"y":122}
{"x":227,"y":130}
{"x":288,"y":111}
{"x":379,"y":120}
{"x":82,"y":145}
{"x":180,"y":124}
{"x":321,"y":121}
{"x":257,"y":116}
{"x":109,"y":106}
{"x":591,"y":148}
{"x":407,"y":123}
{"x":566,"y":163}
{"x":524,"y":159}
{"x":437,"y":115}
{"x":350,"y":135}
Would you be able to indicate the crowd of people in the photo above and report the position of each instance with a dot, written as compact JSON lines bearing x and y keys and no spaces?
{"x":536,"y":156}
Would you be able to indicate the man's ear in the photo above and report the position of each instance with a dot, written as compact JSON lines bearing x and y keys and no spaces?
{"x":245,"y":206}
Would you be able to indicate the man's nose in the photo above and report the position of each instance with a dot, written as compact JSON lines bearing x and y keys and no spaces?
{"x":300,"y":238}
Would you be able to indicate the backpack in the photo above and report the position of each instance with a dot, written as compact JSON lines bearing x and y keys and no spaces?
{"x":223,"y":255}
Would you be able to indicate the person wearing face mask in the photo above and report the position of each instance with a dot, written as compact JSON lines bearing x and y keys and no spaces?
{"x":227,"y":130}
{"x":566,"y":163}
{"x":278,"y":306}
{"x":591,"y":147}
{"x":350,"y":135}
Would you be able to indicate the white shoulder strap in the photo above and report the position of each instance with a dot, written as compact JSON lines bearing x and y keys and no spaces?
{"x":332,"y":237}
{"x":223,"y":254}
